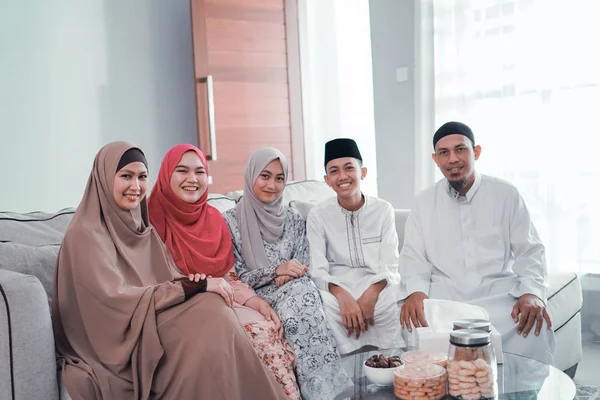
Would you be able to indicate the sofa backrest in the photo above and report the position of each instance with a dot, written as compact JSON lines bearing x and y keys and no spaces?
{"x":401,"y":217}
{"x":29,"y":243}
{"x":36,"y":228}
{"x":310,"y":191}
{"x":221,"y":202}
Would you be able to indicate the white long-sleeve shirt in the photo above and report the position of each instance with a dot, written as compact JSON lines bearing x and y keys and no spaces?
{"x":352,"y":249}
{"x":465,"y":247}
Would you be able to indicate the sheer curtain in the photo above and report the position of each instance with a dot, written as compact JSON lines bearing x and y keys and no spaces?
{"x":525,"y":75}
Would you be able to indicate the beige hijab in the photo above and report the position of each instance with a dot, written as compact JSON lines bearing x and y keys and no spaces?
{"x":112,"y":277}
{"x":257,"y":220}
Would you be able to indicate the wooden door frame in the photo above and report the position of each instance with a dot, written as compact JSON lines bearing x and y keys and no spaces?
{"x":292,"y":39}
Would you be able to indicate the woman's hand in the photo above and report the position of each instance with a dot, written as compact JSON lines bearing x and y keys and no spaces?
{"x":260,"y":305}
{"x":192,"y":284}
{"x":220,"y":286}
{"x":291,"y":268}
{"x":282,"y":280}
{"x":196,"y":277}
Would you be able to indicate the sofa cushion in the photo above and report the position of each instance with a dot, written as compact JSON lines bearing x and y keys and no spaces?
{"x":220,"y":202}
{"x":401,"y":216}
{"x":235,"y":195}
{"x":36,"y":228}
{"x":26,"y":327}
{"x":30,"y":260}
{"x":303,"y":207}
{"x":307,"y":191}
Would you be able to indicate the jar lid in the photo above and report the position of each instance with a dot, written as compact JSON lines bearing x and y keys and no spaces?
{"x":413,"y":356}
{"x":470,"y":337}
{"x":420,"y":370}
{"x":481,"y":324}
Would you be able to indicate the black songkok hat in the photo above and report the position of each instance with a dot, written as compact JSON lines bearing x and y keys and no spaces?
{"x":132,"y":155}
{"x":340,"y":148}
{"x":453,"y":128}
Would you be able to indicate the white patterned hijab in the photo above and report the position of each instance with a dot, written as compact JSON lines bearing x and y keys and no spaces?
{"x":257,"y":220}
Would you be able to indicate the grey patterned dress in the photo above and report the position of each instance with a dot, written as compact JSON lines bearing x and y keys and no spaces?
{"x":299,"y":307}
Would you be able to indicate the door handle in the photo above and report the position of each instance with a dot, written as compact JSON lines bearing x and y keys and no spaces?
{"x":210,"y":101}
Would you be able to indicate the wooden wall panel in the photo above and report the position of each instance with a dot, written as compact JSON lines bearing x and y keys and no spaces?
{"x":245,"y":135}
{"x":245,"y":12}
{"x":251,"y":90}
{"x":256,"y":74}
{"x":233,"y":118}
{"x":262,"y":45}
{"x":246,"y":52}
{"x":251,"y":106}
{"x":263,"y":4}
{"x":228,"y":28}
{"x":244,"y":59}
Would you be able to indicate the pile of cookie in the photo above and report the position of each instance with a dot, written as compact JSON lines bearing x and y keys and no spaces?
{"x":420,"y":381}
{"x":471,"y":380}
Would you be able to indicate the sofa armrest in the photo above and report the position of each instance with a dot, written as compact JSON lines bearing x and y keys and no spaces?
{"x":27,"y":358}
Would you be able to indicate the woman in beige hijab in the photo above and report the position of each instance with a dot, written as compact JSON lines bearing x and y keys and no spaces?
{"x":127,"y":323}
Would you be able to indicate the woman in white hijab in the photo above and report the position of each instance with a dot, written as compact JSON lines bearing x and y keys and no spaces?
{"x":272,"y":255}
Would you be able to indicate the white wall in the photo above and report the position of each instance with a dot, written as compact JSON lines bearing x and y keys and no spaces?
{"x":75,"y":75}
{"x":403,"y":102}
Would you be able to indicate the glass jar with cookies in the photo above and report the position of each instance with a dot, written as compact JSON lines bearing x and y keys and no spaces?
{"x":472,"y":369}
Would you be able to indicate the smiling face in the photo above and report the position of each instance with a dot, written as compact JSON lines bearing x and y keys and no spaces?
{"x":130,"y":185}
{"x":189,"y":181}
{"x":270,"y":182}
{"x":344,"y":176}
{"x":455,"y":156}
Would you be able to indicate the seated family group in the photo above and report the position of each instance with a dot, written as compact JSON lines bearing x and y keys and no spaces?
{"x":169,"y":298}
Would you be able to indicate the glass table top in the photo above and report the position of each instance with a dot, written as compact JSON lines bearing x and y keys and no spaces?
{"x":519,"y":378}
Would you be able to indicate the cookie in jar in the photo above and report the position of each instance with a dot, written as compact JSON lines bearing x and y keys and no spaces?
{"x":416,"y":356}
{"x":472,"y":369}
{"x":420,"y":381}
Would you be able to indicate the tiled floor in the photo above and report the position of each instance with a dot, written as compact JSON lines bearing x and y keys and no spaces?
{"x":587,"y":372}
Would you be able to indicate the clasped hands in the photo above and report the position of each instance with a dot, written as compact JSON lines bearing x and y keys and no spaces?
{"x":289,"y":270}
{"x":357,"y":314}
{"x":215,"y":285}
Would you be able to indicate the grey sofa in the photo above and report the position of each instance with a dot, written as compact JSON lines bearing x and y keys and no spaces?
{"x":29,"y":244}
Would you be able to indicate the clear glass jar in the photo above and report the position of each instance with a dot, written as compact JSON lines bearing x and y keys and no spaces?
{"x":420,"y":381}
{"x":481,"y":324}
{"x":472,"y":369}
{"x":415,"y":356}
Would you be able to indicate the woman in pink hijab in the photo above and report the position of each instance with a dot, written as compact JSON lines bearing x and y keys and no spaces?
{"x":199,"y":240}
{"x":127,"y":323}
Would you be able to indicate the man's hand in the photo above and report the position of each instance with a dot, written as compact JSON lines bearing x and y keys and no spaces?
{"x":349,"y":310}
{"x":367,"y":302}
{"x":412,"y":311}
{"x":532,"y":311}
{"x":291,"y":268}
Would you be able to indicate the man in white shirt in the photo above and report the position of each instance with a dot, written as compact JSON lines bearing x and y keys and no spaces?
{"x":354,"y":255}
{"x":470,"y":238}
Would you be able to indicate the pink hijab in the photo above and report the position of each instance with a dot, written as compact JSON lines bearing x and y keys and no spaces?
{"x":196,"y":234}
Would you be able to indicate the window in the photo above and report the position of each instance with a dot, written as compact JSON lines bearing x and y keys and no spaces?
{"x":525,"y":75}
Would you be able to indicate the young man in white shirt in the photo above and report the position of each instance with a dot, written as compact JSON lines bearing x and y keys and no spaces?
{"x":354,"y":255}
{"x":470,"y":238}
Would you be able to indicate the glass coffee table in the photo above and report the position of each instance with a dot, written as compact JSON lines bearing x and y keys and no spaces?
{"x":518,"y":378}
